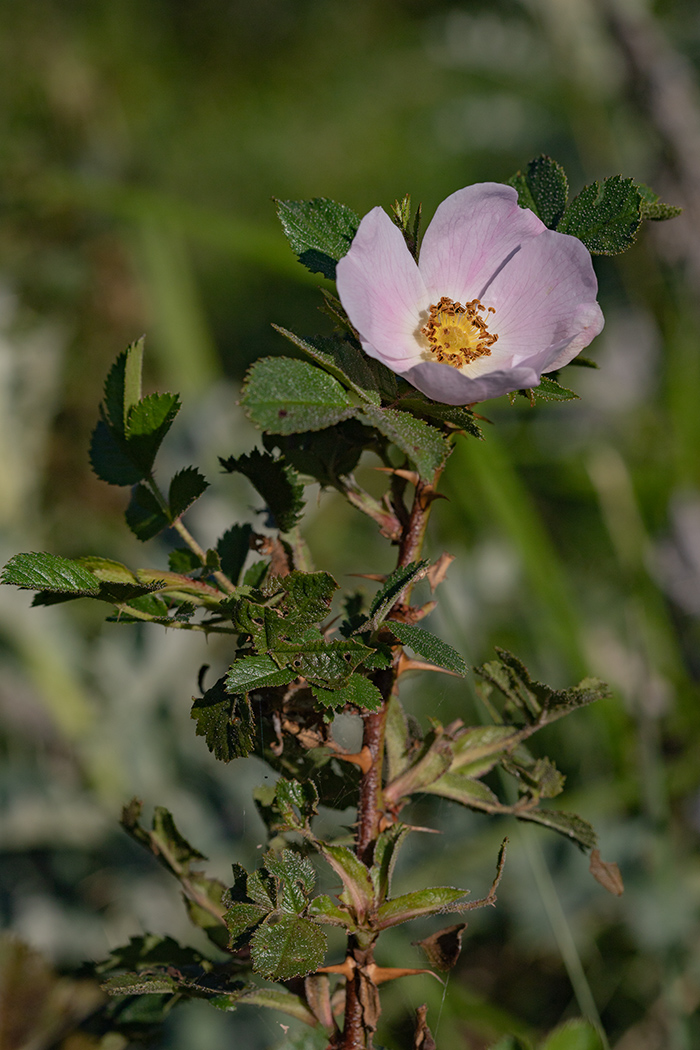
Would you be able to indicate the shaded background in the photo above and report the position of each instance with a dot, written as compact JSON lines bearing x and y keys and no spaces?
{"x":141,"y":143}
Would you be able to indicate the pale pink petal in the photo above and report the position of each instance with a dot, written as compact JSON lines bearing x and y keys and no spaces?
{"x":382,"y":290}
{"x":590,"y":317}
{"x":472,"y":234}
{"x":446,"y":384}
{"x":545,"y":302}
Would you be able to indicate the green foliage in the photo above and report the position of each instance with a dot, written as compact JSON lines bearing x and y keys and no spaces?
{"x":284,"y":396}
{"x":549,"y":389}
{"x":544,"y":189}
{"x":320,"y":231}
{"x":123,"y":386}
{"x":145,"y":515}
{"x":423,"y":444}
{"x":50,"y":572}
{"x":605,"y":215}
{"x":126,"y":440}
{"x":226,"y":722}
{"x":452,"y":762}
{"x":653,"y":208}
{"x":454,"y":416}
{"x":275,"y":481}
{"x":357,"y":691}
{"x":203,"y":895}
{"x":346,"y":361}
{"x":233,"y":548}
{"x":532,"y":701}
{"x":429,"y":646}
{"x":391,"y":592}
{"x":432,"y":901}
{"x":326,"y":455}
{"x":291,"y":947}
{"x":186,"y":486}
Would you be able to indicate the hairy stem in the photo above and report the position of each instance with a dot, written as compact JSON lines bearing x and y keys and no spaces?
{"x":357,"y":1033}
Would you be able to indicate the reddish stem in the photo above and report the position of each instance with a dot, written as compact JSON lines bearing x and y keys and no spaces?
{"x":355,"y":1034}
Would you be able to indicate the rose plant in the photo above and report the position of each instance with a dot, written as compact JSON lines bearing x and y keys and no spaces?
{"x":500,"y":296}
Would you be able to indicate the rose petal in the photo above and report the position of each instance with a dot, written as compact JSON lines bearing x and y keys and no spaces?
{"x":544,"y":299}
{"x":471,"y":235}
{"x":382,"y":290}
{"x":451,"y":387}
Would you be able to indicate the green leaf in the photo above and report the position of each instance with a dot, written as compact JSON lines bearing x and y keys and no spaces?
{"x":295,"y":876}
{"x":110,"y":459}
{"x":429,"y":646}
{"x":225,"y":721}
{"x":272,"y":998}
{"x":325,"y":455}
{"x":261,"y":888}
{"x":343,"y":359}
{"x":409,"y":906}
{"x":257,"y":672}
{"x":183,"y":560}
{"x":123,"y":386}
{"x":433,"y":761}
{"x":454,"y":415}
{"x":605,"y":216}
{"x":276,"y":482}
{"x":284,"y":396}
{"x":574,"y":1035}
{"x":144,"y":515}
{"x":463,"y":789}
{"x":255,"y":574}
{"x":425,"y":446}
{"x":358,"y":691}
{"x":359,"y":889}
{"x":550,"y":390}
{"x":291,"y":947}
{"x":325,"y":909}
{"x":328,"y":664}
{"x":390,"y":593}
{"x":535,"y":702}
{"x":397,"y":739}
{"x":240,"y":918}
{"x":186,"y":486}
{"x":50,"y":572}
{"x":149,"y":950}
{"x":292,"y":796}
{"x":233,"y":548}
{"x":308,"y":595}
{"x":569,"y":825}
{"x":320,"y":231}
{"x":386,"y":851}
{"x":543,"y":189}
{"x":147,"y":424}
{"x":653,"y":208}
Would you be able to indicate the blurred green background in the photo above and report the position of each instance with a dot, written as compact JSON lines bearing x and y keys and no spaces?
{"x":141,"y":142}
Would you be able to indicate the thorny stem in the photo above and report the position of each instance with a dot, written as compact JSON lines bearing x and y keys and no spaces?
{"x":357,"y":1034}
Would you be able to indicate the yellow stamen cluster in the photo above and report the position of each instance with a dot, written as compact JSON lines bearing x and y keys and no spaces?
{"x":456,"y":333}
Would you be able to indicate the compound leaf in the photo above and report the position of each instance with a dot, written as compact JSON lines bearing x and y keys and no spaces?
{"x":284,"y":396}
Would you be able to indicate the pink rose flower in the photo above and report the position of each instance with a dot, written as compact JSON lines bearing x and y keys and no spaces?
{"x":495,"y":300}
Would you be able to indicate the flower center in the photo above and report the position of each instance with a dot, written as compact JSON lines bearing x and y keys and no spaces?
{"x":456,"y":333}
